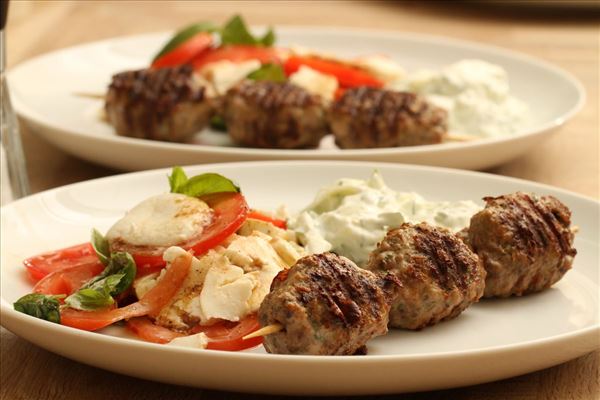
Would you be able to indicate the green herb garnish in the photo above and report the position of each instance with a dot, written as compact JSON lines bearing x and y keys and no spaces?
{"x":101,"y":247}
{"x":40,"y":306}
{"x":235,"y":31}
{"x":268,"y":72}
{"x":200,"y":185}
{"x":99,"y":291}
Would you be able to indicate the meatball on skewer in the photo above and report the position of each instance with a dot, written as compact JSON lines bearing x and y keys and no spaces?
{"x":169,"y":104}
{"x":440,"y":275}
{"x":524,"y":241}
{"x":366,"y":118}
{"x":326,"y":305}
{"x":274,"y":115}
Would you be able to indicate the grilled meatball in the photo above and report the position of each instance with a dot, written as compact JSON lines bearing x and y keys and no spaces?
{"x":524,"y":241}
{"x":274,"y":115}
{"x":327,"y":306}
{"x":440,"y":275}
{"x":167,"y":104}
{"x":366,"y":118}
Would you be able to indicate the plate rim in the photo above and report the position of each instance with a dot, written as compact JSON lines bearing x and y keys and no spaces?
{"x":7,"y":313}
{"x":36,"y":118}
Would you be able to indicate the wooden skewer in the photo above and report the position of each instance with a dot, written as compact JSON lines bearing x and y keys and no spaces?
{"x":95,"y":96}
{"x":264,"y":331}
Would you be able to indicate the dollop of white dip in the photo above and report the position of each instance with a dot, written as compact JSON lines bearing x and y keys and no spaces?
{"x":351,"y":216}
{"x":476,"y":95}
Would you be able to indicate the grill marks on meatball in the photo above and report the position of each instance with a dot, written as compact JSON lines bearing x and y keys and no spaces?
{"x":326,"y":305}
{"x":368,"y":118}
{"x":163,"y":104}
{"x":268,"y":114}
{"x":275,"y":96}
{"x":525,"y":242}
{"x":440,"y":276}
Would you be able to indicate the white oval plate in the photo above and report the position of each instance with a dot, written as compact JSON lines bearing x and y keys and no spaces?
{"x":43,"y":93}
{"x":491,"y":340}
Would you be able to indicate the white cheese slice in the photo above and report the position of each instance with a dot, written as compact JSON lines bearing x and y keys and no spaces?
{"x":225,"y":74}
{"x":197,"y":341}
{"x":164,"y":220}
{"x":315,"y":82}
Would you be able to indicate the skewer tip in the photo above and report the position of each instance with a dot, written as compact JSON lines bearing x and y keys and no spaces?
{"x":264,"y":331}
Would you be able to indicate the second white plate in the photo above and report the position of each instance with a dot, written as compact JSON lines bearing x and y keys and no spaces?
{"x":43,"y":93}
{"x":492,"y":339}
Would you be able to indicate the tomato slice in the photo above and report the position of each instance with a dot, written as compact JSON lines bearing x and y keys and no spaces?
{"x":185,"y":52}
{"x":228,"y":336}
{"x":280,"y":223}
{"x":151,"y":303}
{"x":150,"y":332}
{"x":237,"y":54}
{"x":46,"y":263}
{"x":230,"y":211}
{"x":346,"y":75}
{"x":68,"y":280}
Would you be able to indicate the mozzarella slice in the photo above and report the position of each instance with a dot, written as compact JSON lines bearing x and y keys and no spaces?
{"x":163,"y":220}
{"x":225,"y":74}
{"x":197,"y":341}
{"x":315,"y":82}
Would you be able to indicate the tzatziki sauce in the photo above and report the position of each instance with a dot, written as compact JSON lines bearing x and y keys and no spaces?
{"x":475,"y":93}
{"x":351,"y":216}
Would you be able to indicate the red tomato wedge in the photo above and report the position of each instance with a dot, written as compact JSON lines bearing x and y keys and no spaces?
{"x":346,"y":75}
{"x":237,"y":54}
{"x":46,"y":263}
{"x":230,"y":211}
{"x":280,"y":223}
{"x":150,"y":332}
{"x":228,"y":336}
{"x":68,"y":280}
{"x":151,"y":303}
{"x":186,"y":51}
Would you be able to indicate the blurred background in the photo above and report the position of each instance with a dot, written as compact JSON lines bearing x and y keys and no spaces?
{"x":563,"y":33}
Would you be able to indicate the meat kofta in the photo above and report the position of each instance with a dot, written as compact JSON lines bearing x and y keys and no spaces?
{"x":273,"y":115}
{"x":367,"y":118}
{"x":439,"y":275}
{"x":169,"y":104}
{"x":326,"y":305}
{"x":524,"y":241}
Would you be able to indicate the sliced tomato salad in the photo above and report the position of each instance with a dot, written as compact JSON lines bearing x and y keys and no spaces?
{"x":223,"y":335}
{"x":46,"y":263}
{"x":149,"y":304}
{"x":237,"y":54}
{"x":346,"y":75}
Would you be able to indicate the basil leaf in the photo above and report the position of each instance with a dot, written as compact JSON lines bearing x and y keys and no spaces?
{"x":218,"y":123}
{"x":39,"y":306}
{"x":120,"y":263}
{"x":125,"y":265}
{"x":269,"y":39}
{"x":100,"y":245}
{"x":96,"y":296}
{"x":177,"y":179}
{"x":99,"y":291}
{"x":235,"y":31}
{"x":184,"y":35}
{"x":201,"y":185}
{"x":268,"y":72}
